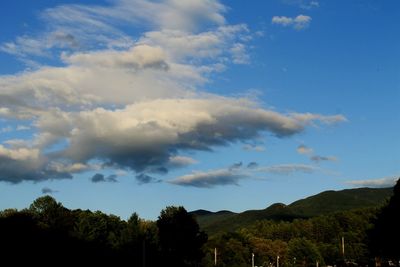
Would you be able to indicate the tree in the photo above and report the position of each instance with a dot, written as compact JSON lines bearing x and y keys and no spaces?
{"x":51,"y":214}
{"x":180,"y":237}
{"x":385,"y":236}
{"x":303,"y":253}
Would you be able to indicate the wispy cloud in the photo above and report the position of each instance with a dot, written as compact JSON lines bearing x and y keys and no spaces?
{"x":143,"y":178}
{"x":235,"y":166}
{"x":47,"y":190}
{"x":380,"y":182}
{"x":252,"y":165}
{"x":256,"y":148}
{"x":318,"y":159}
{"x":209,"y":179}
{"x":287,"y":169}
{"x":310,"y":5}
{"x":303,"y":4}
{"x":299,"y":23}
{"x":6,"y":129}
{"x":303,"y":149}
{"x":98,"y":178}
{"x":237,"y":172}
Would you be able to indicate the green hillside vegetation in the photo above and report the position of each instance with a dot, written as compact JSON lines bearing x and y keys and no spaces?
{"x":348,"y":199}
{"x":321,"y":204}
{"x":310,"y":232}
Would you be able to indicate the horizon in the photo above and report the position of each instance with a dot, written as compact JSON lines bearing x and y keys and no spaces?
{"x":131,"y":106}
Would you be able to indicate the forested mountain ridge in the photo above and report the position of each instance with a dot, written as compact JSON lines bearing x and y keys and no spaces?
{"x":320,"y":204}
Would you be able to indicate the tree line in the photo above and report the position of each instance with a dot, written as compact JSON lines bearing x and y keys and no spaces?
{"x":48,"y":234}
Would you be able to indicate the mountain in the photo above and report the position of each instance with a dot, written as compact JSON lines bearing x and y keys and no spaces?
{"x":320,"y":204}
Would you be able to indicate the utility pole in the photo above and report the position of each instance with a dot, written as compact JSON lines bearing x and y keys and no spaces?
{"x":252,"y":259}
{"x":343,"y":246}
{"x":277,"y":261}
{"x":144,"y":253}
{"x":215,"y":256}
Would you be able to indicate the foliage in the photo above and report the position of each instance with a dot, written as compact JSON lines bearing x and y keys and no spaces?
{"x":48,"y":233}
{"x":180,"y":237}
{"x":324,"y":203}
{"x":385,"y":236}
{"x":303,"y":252}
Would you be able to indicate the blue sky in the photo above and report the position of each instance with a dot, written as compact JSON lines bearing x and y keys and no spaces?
{"x":133,"y":105}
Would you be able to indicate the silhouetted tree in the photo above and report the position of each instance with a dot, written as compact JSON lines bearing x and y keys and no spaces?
{"x":385,"y":236}
{"x":180,"y":238}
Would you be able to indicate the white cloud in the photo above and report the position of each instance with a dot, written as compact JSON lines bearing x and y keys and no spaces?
{"x":136,"y":58}
{"x":19,"y":154}
{"x":78,"y":27}
{"x":300,"y":22}
{"x":141,"y":135}
{"x":239,"y":53}
{"x":131,"y":102}
{"x":380,"y":182}
{"x":22,"y":128}
{"x":309,"y":118}
{"x":181,"y":161}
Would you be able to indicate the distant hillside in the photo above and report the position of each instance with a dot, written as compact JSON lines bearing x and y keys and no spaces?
{"x":322,"y":203}
{"x":348,"y":199}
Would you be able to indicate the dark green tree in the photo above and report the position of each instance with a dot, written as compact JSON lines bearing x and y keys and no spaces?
{"x":303,"y":252}
{"x":385,"y":236}
{"x":180,"y":238}
{"x":51,"y":214}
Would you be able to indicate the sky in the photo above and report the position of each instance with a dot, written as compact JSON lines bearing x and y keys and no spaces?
{"x":131,"y":106}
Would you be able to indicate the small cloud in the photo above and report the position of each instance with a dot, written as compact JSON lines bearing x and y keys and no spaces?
{"x":236,"y":166}
{"x":286,"y":169}
{"x":252,"y":165}
{"x":6,"y":129}
{"x":46,"y":190}
{"x":310,"y":118}
{"x":112,"y":178}
{"x":98,"y":178}
{"x":305,"y":150}
{"x":181,"y":161}
{"x":309,"y":5}
{"x":318,"y":159}
{"x":239,"y":54}
{"x":376,"y":183}
{"x":209,"y":179}
{"x":253,"y":148}
{"x":303,"y":4}
{"x":146,"y":179}
{"x":23,"y":128}
{"x":298,"y":23}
